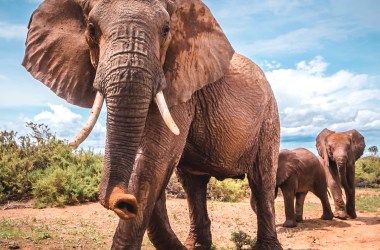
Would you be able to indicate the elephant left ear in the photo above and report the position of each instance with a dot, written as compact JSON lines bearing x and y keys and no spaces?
{"x":358,"y":143}
{"x":198,"y":54}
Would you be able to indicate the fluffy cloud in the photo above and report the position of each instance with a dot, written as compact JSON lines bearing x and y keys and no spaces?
{"x":310,"y":100}
{"x":12,"y":31}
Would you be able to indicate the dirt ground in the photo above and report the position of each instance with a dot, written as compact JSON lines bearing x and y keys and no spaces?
{"x":90,"y":226}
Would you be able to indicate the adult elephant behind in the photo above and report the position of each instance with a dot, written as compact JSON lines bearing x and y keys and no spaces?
{"x":339,"y":151}
{"x":132,"y":52}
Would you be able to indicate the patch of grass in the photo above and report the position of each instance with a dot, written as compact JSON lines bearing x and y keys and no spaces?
{"x":8,"y":230}
{"x":368,"y":203}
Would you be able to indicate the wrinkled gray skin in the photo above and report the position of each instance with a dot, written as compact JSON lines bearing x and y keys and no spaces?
{"x":299,"y":171}
{"x":339,"y":152}
{"x":221,"y":101}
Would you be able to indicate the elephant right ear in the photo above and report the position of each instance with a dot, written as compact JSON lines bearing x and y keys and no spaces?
{"x":57,"y":53}
{"x":321,"y":145}
{"x":198,"y":54}
{"x":358,"y":143}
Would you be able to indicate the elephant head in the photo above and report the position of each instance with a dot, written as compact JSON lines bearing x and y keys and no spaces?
{"x":129,"y":52}
{"x":340,"y":149}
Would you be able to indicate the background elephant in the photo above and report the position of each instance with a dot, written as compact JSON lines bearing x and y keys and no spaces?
{"x":299,"y":171}
{"x":339,"y":151}
{"x":223,"y":114}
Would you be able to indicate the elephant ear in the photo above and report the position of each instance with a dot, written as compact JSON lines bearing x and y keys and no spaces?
{"x":357,"y":143}
{"x":288,"y":163}
{"x":57,"y":53}
{"x":198,"y":54}
{"x":321,"y":145}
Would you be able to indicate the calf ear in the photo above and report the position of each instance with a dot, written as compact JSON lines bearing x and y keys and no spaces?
{"x":321,"y":145}
{"x":288,"y":163}
{"x":57,"y":53}
{"x":357,"y":143}
{"x":198,"y":54}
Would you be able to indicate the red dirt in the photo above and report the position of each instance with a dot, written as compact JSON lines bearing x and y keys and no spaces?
{"x":90,"y":226}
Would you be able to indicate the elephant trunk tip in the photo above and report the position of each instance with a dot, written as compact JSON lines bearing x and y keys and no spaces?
{"x":123,"y":204}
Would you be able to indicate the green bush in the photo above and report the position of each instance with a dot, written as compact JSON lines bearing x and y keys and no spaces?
{"x":228,"y":190}
{"x":42,"y":167}
{"x":243,"y":240}
{"x":368,"y":172}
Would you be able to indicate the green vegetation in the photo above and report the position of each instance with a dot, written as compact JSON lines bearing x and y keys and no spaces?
{"x":243,"y":240}
{"x":228,"y":190}
{"x":368,"y":203}
{"x":42,"y":167}
{"x":368,"y":172}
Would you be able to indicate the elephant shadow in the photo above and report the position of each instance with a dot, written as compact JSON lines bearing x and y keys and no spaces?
{"x":313,"y":224}
{"x":369,"y":220}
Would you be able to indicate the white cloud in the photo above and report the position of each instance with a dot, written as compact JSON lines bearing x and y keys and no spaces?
{"x":13,"y":31}
{"x":297,"y":41}
{"x":60,"y":116}
{"x":310,"y":100}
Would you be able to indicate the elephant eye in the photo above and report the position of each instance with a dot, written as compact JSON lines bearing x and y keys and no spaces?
{"x":165,"y":31}
{"x":91,"y":30}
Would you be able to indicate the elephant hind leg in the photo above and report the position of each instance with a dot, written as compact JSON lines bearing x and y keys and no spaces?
{"x":195,"y":187}
{"x":262,"y":179}
{"x":159,"y":230}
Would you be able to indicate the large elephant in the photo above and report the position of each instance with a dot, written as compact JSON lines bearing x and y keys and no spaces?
{"x":339,"y":151}
{"x":223,"y":119}
{"x":299,"y":171}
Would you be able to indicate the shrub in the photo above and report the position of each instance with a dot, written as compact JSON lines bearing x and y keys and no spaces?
{"x":43,"y":167}
{"x":243,"y":240}
{"x":228,"y":190}
{"x":368,"y":172}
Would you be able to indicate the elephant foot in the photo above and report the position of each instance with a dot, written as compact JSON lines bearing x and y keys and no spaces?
{"x":198,"y":244}
{"x":327,"y":216}
{"x":341,"y":215}
{"x":352,"y":215}
{"x":299,"y":218}
{"x":290,"y":223}
{"x":272,"y":245}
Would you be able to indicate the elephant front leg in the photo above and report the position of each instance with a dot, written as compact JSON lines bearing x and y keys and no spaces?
{"x":195,"y":187}
{"x":350,"y":192}
{"x":159,"y":229}
{"x":334,"y":185}
{"x":289,"y":208}
{"x":300,"y":200}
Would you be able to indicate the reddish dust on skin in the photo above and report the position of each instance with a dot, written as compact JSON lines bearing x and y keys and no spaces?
{"x":91,"y":226}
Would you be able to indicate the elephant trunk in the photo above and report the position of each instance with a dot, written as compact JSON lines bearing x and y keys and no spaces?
{"x":129,"y":80}
{"x":341,"y":163}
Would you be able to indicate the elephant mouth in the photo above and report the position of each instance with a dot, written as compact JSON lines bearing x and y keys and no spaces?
{"x":97,"y":107}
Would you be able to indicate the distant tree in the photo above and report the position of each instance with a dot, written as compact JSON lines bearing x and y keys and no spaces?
{"x":373,"y":150}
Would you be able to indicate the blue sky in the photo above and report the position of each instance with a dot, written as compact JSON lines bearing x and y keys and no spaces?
{"x":322,"y":59}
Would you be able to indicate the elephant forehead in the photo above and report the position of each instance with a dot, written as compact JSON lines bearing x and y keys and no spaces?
{"x":340,"y":138}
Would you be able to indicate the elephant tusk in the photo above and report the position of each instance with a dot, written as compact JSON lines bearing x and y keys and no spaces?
{"x":87,"y":128}
{"x":165,"y":113}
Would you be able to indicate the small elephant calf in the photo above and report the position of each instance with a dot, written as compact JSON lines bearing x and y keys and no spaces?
{"x":299,"y":171}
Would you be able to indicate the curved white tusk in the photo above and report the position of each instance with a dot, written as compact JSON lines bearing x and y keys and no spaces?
{"x":86,"y":130}
{"x":165,"y":113}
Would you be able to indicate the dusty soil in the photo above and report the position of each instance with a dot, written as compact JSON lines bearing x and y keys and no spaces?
{"x":90,"y":226}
